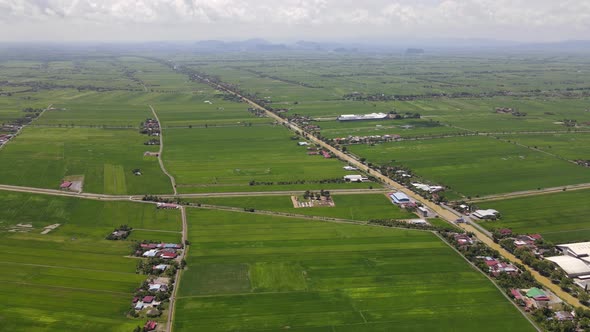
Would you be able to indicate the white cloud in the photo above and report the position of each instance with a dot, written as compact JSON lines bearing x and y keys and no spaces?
{"x":502,"y":19}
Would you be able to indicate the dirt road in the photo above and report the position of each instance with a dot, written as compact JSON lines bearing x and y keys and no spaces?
{"x":536,"y":192}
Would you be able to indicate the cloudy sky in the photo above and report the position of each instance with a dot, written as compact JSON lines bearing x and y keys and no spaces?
{"x":288,"y":20}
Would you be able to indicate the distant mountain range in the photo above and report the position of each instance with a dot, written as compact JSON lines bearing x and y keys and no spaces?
{"x":410,"y":47}
{"x":262,"y":45}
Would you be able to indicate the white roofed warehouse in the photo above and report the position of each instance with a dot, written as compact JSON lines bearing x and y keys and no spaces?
{"x":489,"y":214}
{"x":399,"y":198}
{"x":355,"y":178}
{"x":575,"y":261}
{"x":359,"y":117}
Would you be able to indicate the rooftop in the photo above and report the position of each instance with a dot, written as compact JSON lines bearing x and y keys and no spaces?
{"x":571,"y":265}
{"x":579,"y":249}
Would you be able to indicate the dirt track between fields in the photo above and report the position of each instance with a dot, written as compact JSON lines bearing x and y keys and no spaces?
{"x":536,"y":192}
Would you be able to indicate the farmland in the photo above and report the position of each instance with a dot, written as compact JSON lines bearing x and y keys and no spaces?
{"x":560,"y":218}
{"x":255,"y":273}
{"x":71,"y":278}
{"x":105,"y":157}
{"x":481,"y":166}
{"x":235,"y":156}
{"x":355,"y":207}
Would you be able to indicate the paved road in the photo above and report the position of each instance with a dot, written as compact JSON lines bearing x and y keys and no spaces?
{"x":173,"y":297}
{"x":138,"y":198}
{"x":172,"y":180}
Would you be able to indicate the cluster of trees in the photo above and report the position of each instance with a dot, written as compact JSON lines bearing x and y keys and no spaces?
{"x":545,"y":318}
{"x":158,"y":199}
{"x":153,"y":141}
{"x":407,"y":115}
{"x":120,"y":233}
{"x":359,"y":96}
{"x":32,"y":110}
{"x":257,"y":112}
{"x":522,"y":280}
{"x":146,"y":267}
{"x":315,"y":195}
{"x":570,"y":122}
{"x":31,"y":114}
{"x":270,"y":183}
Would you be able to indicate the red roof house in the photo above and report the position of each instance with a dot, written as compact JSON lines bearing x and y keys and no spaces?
{"x":148,"y":299}
{"x":169,"y":255}
{"x":516,"y":294}
{"x":536,"y":237}
{"x":491,"y":262}
{"x":65,"y":185}
{"x":150,"y":325}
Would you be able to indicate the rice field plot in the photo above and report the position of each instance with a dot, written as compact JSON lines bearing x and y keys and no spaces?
{"x":70,"y":279}
{"x":560,"y":217}
{"x":270,"y":89}
{"x":354,"y":207}
{"x":205,"y":110}
{"x":103,"y":73}
{"x":41,"y":157}
{"x":227,"y":159}
{"x":475,"y":166}
{"x":271,"y":273}
{"x":115,"y":109}
{"x":571,"y":146}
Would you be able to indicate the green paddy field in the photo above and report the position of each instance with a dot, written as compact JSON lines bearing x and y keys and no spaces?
{"x":259,"y":273}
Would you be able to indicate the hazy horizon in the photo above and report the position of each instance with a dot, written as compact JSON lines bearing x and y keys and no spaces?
{"x":291,"y":20}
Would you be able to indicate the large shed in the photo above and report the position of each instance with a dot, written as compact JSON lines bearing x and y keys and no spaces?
{"x":572,"y":266}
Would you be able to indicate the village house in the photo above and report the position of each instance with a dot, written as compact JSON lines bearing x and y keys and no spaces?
{"x":427,"y":188}
{"x":119,"y":234}
{"x":496,"y":267}
{"x":564,"y":316}
{"x":527,"y":241}
{"x":538,"y":295}
{"x":516,"y":294}
{"x":156,"y":287}
{"x":151,"y":253}
{"x":160,"y":267}
{"x":150,"y":325}
{"x":167,"y":206}
{"x":423,"y":211}
{"x":169,"y":255}
{"x":463,"y":239}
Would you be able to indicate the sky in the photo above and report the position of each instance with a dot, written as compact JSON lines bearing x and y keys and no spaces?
{"x":291,"y":20}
